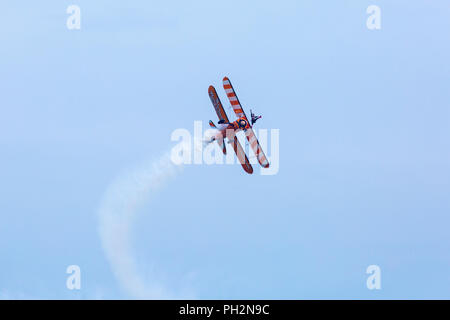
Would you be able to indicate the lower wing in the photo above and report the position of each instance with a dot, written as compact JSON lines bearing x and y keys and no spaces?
{"x":256,"y":147}
{"x":242,"y":156}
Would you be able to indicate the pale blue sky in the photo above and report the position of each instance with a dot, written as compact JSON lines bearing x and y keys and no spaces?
{"x":364,"y":146}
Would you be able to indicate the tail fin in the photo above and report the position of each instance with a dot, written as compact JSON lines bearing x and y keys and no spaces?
{"x":211,"y":124}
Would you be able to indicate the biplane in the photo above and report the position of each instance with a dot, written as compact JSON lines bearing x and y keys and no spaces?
{"x":227,"y":129}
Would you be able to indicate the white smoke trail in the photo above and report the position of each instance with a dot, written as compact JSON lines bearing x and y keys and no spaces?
{"x":117,"y":213}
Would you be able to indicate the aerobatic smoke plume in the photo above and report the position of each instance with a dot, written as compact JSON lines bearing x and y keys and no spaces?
{"x":117,"y":213}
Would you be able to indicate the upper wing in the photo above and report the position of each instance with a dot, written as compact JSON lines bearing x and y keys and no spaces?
{"x":233,"y":99}
{"x":256,"y":147}
{"x":251,"y":137}
{"x":217,"y":104}
{"x":242,"y":156}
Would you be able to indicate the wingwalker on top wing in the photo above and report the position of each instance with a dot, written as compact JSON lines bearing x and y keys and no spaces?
{"x":227,"y":129}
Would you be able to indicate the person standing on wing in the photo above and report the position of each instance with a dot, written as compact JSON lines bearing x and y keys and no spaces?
{"x":254,"y":117}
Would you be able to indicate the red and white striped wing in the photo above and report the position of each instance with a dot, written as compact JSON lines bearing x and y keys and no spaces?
{"x":233,"y":99}
{"x":256,"y":147}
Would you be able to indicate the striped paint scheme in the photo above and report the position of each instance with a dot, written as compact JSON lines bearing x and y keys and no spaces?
{"x":233,"y":98}
{"x":256,"y":147}
{"x":251,"y":137}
